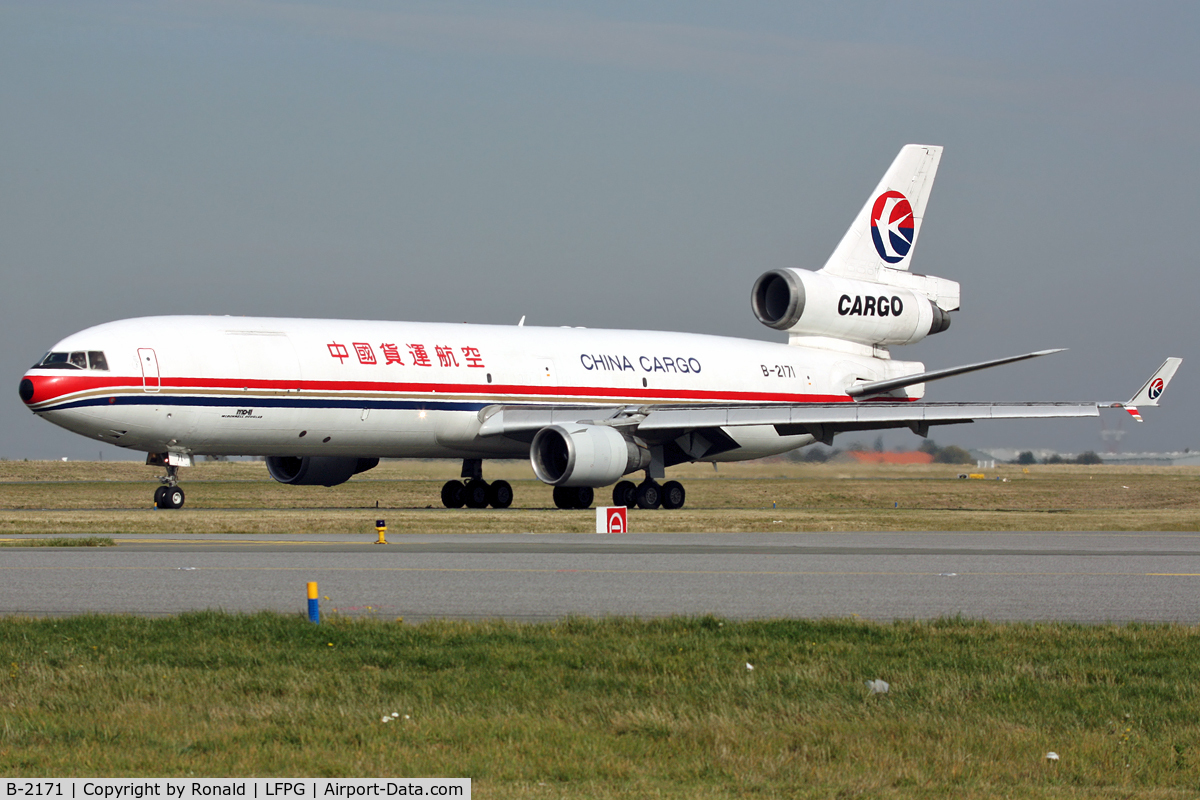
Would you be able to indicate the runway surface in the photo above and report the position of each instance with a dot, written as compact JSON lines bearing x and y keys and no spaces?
{"x":1084,"y":577}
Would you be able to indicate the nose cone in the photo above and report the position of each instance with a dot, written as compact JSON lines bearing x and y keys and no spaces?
{"x":26,"y":391}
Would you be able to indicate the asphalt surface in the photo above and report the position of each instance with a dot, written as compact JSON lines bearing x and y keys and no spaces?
{"x":1083,"y":577}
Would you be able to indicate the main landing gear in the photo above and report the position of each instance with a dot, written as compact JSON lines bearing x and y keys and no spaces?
{"x":573,"y":496}
{"x":476,"y":492}
{"x":649,"y":494}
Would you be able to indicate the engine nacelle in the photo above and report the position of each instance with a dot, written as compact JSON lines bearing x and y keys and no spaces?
{"x":317,"y":470}
{"x":815,"y":304}
{"x":585,"y":455}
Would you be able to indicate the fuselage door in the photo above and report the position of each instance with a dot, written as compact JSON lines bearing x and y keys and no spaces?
{"x":149,"y":362}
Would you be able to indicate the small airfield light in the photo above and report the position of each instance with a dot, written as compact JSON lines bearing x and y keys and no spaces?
{"x":314,"y":604}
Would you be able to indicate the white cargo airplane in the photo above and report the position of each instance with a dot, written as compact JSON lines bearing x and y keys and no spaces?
{"x":326,"y":399}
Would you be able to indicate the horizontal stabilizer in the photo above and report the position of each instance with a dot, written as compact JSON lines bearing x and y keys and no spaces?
{"x":882,"y":387}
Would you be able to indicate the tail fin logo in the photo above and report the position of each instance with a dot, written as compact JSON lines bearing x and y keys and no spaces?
{"x":1156,"y":388}
{"x":892,"y":226}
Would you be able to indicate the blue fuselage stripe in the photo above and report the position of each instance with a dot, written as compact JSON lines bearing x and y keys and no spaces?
{"x":269,"y":402}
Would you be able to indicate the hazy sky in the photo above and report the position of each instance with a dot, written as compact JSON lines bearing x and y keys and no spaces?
{"x":610,"y":165}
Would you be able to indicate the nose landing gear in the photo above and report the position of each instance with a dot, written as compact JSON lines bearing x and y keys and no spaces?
{"x":169,"y":495}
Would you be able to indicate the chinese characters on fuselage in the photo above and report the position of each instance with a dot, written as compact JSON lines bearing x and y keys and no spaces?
{"x":418,"y":355}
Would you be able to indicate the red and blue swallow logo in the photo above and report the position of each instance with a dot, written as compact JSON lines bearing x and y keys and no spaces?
{"x":1156,"y":388}
{"x":892,"y":226}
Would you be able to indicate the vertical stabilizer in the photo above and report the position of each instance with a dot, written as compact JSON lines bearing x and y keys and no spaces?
{"x":885,"y":231}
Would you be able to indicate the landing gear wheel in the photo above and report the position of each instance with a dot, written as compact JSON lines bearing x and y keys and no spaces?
{"x":452,"y":494}
{"x":673,"y":495}
{"x":584,"y":495}
{"x":625,"y":494}
{"x":500,"y":494}
{"x":475,"y":493}
{"x":573,"y":496}
{"x":173,"y":497}
{"x":649,"y":495}
{"x":160,"y":497}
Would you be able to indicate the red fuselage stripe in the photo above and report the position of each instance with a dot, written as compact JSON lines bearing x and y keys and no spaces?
{"x":48,"y":388}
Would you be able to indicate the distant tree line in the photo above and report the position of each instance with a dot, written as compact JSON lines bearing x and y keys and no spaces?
{"x":813,"y":454}
{"x":1090,"y":457}
{"x":950,"y":454}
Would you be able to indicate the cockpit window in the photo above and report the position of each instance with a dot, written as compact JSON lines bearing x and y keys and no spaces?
{"x":79,"y":359}
{"x":54,"y":360}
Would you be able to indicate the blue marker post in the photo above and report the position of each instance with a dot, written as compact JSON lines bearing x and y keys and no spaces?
{"x":314,"y":605}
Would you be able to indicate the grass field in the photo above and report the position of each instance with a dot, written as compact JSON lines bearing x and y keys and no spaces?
{"x":60,"y":541}
{"x":612,"y":708}
{"x":98,"y":498}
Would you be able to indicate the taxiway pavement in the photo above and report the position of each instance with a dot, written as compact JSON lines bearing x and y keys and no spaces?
{"x":1083,"y":577}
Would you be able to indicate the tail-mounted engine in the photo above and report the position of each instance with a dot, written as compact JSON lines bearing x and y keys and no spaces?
{"x":806,"y":303}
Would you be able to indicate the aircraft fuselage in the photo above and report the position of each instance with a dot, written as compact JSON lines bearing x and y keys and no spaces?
{"x":303,"y":387}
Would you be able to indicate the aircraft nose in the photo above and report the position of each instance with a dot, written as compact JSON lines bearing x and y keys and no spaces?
{"x":26,"y":390}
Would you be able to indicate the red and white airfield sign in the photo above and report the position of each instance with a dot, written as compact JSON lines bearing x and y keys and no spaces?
{"x":612,"y":519}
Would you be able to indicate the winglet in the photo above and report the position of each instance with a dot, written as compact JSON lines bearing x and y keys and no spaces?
{"x":1152,"y":390}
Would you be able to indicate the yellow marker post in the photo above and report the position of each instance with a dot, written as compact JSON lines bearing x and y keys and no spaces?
{"x":381,"y":528}
{"x":314,"y":605}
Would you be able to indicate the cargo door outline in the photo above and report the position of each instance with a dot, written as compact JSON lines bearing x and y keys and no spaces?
{"x":264,"y":390}
{"x":151,"y":382}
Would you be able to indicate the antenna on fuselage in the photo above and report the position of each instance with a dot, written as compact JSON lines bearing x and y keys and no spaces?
{"x":521,"y":323}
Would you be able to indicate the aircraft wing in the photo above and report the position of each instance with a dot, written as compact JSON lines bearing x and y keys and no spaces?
{"x":820,"y":420}
{"x":823,"y":421}
{"x":698,"y":430}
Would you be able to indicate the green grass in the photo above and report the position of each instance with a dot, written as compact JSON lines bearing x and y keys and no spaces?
{"x":612,"y":708}
{"x":61,"y":541}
